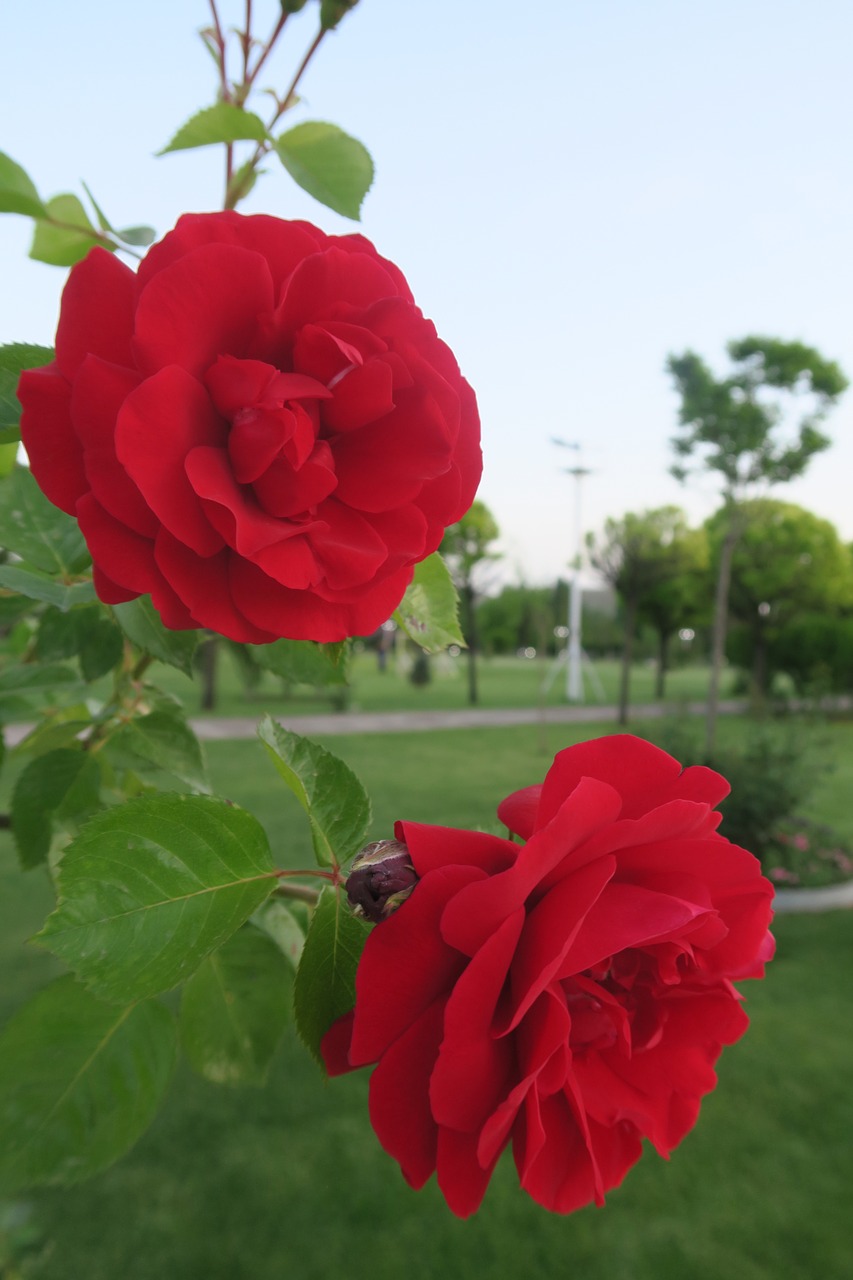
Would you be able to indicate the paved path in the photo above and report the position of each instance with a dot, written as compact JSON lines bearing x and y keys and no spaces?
{"x":218,"y":728}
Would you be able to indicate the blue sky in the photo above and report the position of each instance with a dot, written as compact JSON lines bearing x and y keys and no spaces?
{"x":573,"y":188}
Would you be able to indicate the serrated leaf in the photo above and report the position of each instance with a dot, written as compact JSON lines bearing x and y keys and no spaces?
{"x":63,"y":245}
{"x":428,"y":611}
{"x":140,"y":622}
{"x":17,"y":356}
{"x":36,"y":585}
{"x":80,"y":1082}
{"x":234,"y":1009}
{"x":63,"y":727}
{"x":279,"y":923}
{"x":325,"y":980}
{"x":327,"y":163}
{"x":150,"y":888}
{"x":221,"y":123}
{"x":301,"y":661}
{"x":99,"y":643}
{"x":336,"y":803}
{"x":161,"y":742}
{"x":43,"y":536}
{"x":17,"y":191}
{"x":65,"y":780}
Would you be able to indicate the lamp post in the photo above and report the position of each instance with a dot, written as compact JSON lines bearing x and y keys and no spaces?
{"x":574,"y":649}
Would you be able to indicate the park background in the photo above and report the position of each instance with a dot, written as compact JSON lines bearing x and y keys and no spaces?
{"x":573,"y":192}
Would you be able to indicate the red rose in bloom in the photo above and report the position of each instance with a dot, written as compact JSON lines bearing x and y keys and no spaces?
{"x":569,"y":995}
{"x":258,"y":428}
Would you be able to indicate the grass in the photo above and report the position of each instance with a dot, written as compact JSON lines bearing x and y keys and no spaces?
{"x":503,"y":682}
{"x":289,"y":1181}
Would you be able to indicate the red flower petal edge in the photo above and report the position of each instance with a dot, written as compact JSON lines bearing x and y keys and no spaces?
{"x":259,"y":428}
{"x":567,"y":997}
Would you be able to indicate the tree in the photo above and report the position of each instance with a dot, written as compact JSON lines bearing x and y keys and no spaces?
{"x":641,"y":556}
{"x":680,"y":598}
{"x":465,"y":546}
{"x":737,"y":427}
{"x":788,"y":562}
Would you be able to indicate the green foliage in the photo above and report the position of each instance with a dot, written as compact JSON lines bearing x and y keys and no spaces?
{"x":732,"y":425}
{"x":220,"y":123}
{"x":80,"y":1081}
{"x":17,"y":192}
{"x":327,"y":163}
{"x":301,"y":661}
{"x":336,"y":804}
{"x":428,"y":612}
{"x":45,"y":538}
{"x":60,"y":784}
{"x":325,"y":981}
{"x":152,"y":887}
{"x":159,"y":742}
{"x":14,"y":357}
{"x":234,"y":1009}
{"x":785,"y":557}
{"x":140,"y":622}
{"x":332,"y":11}
{"x":66,"y":235}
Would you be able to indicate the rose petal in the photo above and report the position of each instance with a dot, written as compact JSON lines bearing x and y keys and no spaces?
{"x":200,"y":307}
{"x":47,"y":434}
{"x":399,"y":1093}
{"x":97,"y":313}
{"x":160,"y":422}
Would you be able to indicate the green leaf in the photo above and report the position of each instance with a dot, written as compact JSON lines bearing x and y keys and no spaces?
{"x":222,"y":123}
{"x":148,"y":889}
{"x":63,"y":245}
{"x":137,"y":235}
{"x":327,"y":163}
{"x":140,"y":622}
{"x":428,"y":611}
{"x":65,"y":781}
{"x":60,"y":730}
{"x":14,"y":357}
{"x":301,"y":661}
{"x":99,"y":641}
{"x":336,"y":803}
{"x":241,"y":183}
{"x":161,"y":742}
{"x":37,"y":531}
{"x":36,"y":585}
{"x":80,"y":1081}
{"x":17,"y":356}
{"x":17,"y":192}
{"x":234,"y":1009}
{"x":325,"y":981}
{"x":279,"y":923}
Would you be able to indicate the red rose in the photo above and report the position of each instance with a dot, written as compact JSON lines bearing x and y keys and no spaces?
{"x":259,"y":428}
{"x":569,"y":995}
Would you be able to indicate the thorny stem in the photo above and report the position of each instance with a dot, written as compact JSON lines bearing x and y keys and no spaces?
{"x":223,"y":88}
{"x":247,"y":41}
{"x":263,"y":147}
{"x":265,"y":51}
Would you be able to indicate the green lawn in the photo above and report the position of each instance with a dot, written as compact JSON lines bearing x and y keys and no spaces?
{"x":503,"y":682}
{"x":288,"y":1182}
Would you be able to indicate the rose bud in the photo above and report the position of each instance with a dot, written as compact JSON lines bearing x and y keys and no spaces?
{"x":380,"y":880}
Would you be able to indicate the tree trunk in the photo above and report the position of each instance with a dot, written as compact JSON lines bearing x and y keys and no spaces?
{"x":759,"y":665}
{"x":718,"y":642}
{"x":208,"y":654}
{"x":663,"y":665}
{"x":627,"y":656}
{"x":473,"y":639}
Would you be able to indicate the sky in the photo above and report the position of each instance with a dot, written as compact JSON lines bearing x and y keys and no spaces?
{"x":573,"y":188}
